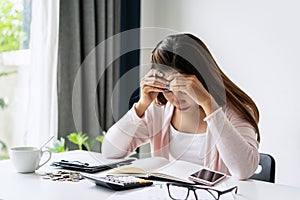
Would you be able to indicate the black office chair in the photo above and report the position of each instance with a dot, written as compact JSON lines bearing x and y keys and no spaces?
{"x":134,"y":98}
{"x":267,"y":172}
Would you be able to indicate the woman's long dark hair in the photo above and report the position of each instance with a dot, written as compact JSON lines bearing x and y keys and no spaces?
{"x":189,"y":55}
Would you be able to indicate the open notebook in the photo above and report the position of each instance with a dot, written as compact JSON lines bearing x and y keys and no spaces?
{"x":159,"y":167}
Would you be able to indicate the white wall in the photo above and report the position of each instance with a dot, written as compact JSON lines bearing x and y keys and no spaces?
{"x":256,"y":43}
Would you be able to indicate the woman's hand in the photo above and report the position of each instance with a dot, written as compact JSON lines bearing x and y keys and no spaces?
{"x":151,"y":84}
{"x":190,"y":85}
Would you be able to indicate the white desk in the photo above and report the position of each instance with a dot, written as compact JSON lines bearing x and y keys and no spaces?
{"x":31,"y":186}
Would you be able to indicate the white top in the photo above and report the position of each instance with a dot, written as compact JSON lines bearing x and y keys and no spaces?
{"x":187,"y":146}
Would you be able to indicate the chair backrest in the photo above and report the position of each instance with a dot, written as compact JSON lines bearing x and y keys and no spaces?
{"x":135,"y":96}
{"x":266,"y":169}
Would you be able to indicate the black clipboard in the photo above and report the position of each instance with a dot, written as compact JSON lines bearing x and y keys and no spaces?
{"x":84,"y":167}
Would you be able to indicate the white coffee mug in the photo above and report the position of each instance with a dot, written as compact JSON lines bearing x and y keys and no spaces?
{"x":27,"y":159}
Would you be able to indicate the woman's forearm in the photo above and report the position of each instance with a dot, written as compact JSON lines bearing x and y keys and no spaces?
{"x":140,"y":108}
{"x":116,"y":143}
{"x":236,"y":143}
{"x":125,"y":136}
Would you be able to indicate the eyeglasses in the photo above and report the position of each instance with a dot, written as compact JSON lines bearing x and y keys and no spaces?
{"x":181,"y":191}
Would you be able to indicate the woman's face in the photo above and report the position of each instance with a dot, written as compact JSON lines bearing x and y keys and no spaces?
{"x":180,"y":100}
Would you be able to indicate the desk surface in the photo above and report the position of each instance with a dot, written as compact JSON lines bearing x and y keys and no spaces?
{"x":14,"y":185}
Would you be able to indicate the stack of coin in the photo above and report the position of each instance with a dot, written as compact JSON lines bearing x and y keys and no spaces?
{"x":63,"y":176}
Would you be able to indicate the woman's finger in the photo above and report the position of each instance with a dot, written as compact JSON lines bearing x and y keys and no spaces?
{"x":155,"y":73}
{"x":148,"y":89}
{"x":178,"y":88}
{"x":179,"y":82}
{"x":156,"y":82}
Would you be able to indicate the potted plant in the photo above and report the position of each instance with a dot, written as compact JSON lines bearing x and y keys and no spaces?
{"x":81,"y":139}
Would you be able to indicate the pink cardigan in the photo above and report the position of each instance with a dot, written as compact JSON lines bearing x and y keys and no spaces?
{"x":231,"y":145}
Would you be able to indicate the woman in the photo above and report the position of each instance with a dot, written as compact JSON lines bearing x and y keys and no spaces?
{"x":190,"y":110}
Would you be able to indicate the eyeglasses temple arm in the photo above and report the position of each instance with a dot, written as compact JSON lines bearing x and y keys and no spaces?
{"x":230,"y":189}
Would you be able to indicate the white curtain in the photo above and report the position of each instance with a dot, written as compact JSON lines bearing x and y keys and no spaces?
{"x":42,"y":103}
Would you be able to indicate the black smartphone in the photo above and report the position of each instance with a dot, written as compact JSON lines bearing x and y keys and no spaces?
{"x":207,"y":177}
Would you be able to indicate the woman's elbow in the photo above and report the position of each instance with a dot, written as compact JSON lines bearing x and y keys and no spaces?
{"x":243,"y":172}
{"x":110,"y":151}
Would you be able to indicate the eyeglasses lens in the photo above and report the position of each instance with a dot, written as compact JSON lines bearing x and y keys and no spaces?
{"x":206,"y":194}
{"x":178,"y":192}
{"x":213,"y":195}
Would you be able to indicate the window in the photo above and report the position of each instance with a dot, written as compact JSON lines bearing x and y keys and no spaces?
{"x":15,"y":24}
{"x":15,"y":21}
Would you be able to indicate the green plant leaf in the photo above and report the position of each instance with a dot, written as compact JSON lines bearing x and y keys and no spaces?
{"x":88,"y":145}
{"x":58,"y":146}
{"x":78,"y":138}
{"x":3,"y":146}
{"x":4,"y":157}
{"x":2,"y":103}
{"x":8,"y":73}
{"x":11,"y":34}
{"x":100,"y":138}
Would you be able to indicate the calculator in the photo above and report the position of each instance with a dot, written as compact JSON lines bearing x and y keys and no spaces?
{"x":118,"y":182}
